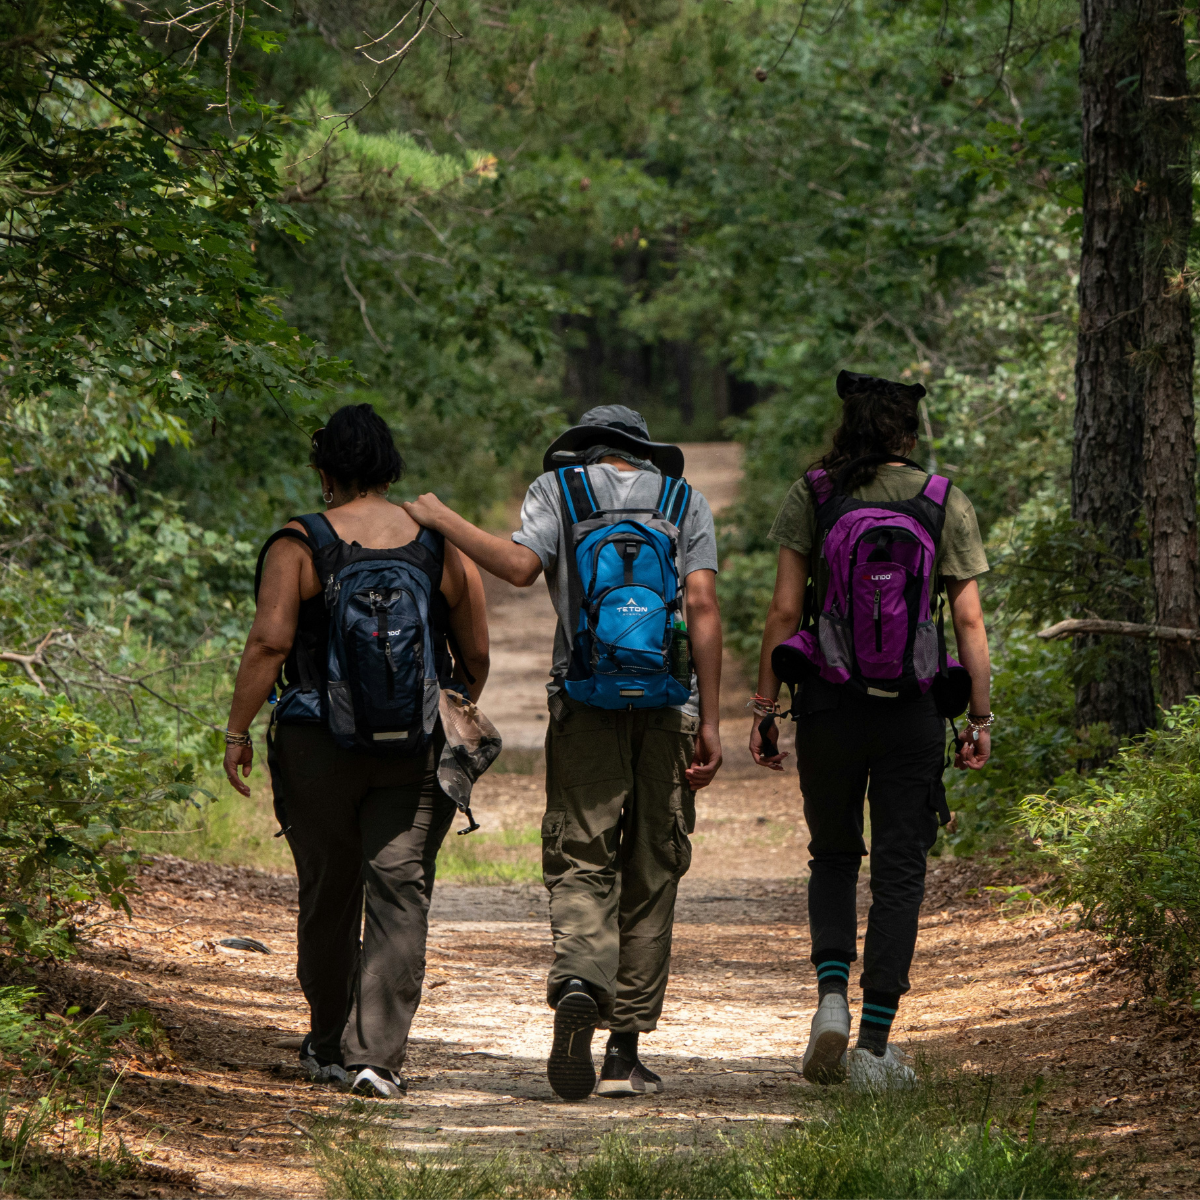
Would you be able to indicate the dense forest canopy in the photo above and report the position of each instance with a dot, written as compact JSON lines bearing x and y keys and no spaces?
{"x":224,"y":220}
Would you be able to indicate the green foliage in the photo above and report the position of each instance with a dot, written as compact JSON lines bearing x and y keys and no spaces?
{"x":1125,"y":844}
{"x":955,"y":1136}
{"x":126,"y":249}
{"x":744,"y":588}
{"x":67,"y":794}
{"x":58,"y":1085}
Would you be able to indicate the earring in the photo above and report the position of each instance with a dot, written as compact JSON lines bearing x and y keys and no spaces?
{"x":327,"y":497}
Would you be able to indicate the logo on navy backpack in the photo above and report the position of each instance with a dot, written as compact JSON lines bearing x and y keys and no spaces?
{"x":877,"y":629}
{"x":624,"y":584}
{"x":374,"y":681}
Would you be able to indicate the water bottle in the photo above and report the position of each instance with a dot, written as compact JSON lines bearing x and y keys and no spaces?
{"x":681,"y":654}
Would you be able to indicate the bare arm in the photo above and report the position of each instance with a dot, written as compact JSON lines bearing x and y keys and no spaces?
{"x":704,"y":630}
{"x":966,"y":612}
{"x":267,"y":645}
{"x":499,"y":556}
{"x":783,"y":619}
{"x":462,"y":586}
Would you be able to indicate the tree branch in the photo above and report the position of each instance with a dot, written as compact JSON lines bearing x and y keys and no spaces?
{"x":1082,"y":625}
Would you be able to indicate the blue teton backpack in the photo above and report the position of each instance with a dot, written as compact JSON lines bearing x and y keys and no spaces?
{"x":377,"y":686}
{"x":624,"y":584}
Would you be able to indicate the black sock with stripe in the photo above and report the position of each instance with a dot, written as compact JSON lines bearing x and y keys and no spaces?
{"x":833,"y":973}
{"x":878,"y":1013}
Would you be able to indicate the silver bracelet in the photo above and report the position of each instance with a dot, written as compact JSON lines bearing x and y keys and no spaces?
{"x":984,"y":722}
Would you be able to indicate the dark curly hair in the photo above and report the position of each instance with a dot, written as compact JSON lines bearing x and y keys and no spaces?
{"x":357,"y":448}
{"x":879,"y":416}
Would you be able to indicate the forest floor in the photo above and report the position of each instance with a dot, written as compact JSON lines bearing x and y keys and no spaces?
{"x":1017,"y":992}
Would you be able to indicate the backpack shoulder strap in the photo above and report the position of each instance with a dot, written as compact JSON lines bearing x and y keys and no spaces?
{"x":434,"y":542}
{"x":937,"y":488}
{"x":319,"y":529}
{"x":820,"y":484}
{"x":579,"y":501}
{"x":674,"y":499}
{"x":277,"y":536}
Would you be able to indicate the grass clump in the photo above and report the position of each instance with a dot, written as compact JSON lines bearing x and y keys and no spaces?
{"x":510,"y":856}
{"x":956,"y":1135}
{"x":1125,"y":845}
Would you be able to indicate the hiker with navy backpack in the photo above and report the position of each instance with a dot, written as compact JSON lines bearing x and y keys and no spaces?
{"x":630,"y":557}
{"x":376,"y":624}
{"x":871,"y":548}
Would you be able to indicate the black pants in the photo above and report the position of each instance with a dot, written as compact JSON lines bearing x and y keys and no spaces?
{"x":365,"y":833}
{"x":848,"y":745}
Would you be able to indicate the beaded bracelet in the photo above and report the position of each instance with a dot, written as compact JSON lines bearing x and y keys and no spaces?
{"x":984,"y":722}
{"x":238,"y":739}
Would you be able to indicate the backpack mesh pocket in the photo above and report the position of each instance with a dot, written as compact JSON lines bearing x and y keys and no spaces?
{"x":833,"y":633}
{"x":925,"y":650}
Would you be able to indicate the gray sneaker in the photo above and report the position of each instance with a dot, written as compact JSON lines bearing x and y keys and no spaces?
{"x":824,"y":1057}
{"x":871,"y":1073}
{"x":320,"y":1070}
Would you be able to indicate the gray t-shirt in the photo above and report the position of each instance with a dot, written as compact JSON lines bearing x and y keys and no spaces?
{"x":543,"y":531}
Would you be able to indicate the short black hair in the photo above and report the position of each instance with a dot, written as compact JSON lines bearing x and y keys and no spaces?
{"x":357,"y":448}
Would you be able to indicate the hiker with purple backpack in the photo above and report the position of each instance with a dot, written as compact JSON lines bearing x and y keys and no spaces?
{"x":868,"y":542}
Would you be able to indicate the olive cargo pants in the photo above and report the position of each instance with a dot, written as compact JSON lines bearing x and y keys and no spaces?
{"x":614,"y":847}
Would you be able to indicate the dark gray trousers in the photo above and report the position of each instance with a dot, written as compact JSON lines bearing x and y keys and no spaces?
{"x":365,"y":833}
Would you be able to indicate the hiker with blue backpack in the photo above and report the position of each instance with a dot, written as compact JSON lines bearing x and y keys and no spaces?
{"x":868,"y":542}
{"x":375,"y":624}
{"x":630,"y":557}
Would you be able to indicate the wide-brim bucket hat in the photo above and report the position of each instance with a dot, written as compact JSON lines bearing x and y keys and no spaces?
{"x":623,"y":429}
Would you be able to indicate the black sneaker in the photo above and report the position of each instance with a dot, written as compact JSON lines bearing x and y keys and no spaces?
{"x":624,"y":1074}
{"x":320,"y":1070}
{"x":378,"y":1082}
{"x":570,"y":1069}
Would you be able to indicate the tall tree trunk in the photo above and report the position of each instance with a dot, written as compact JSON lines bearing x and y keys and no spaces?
{"x":1166,"y":351}
{"x":1114,"y":683}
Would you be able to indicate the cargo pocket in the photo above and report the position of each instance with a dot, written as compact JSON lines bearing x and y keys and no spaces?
{"x":554,"y":862}
{"x":681,"y":844}
{"x":938,"y":806}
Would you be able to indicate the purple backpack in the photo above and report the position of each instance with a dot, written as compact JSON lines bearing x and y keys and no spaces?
{"x":878,"y":630}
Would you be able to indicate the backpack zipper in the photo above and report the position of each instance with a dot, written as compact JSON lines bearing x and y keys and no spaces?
{"x":380,"y":613}
{"x":878,"y":623}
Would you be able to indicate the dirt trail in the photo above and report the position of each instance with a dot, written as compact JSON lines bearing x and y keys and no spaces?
{"x":223,"y":1111}
{"x":220,"y":1114}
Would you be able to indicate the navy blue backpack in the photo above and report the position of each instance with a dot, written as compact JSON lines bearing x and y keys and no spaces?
{"x":377,"y":686}
{"x":624,"y":584}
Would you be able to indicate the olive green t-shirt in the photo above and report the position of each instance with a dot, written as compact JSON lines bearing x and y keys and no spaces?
{"x":960,"y":553}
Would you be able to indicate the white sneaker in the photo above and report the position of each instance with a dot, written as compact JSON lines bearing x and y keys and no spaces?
{"x":827,"y":1041}
{"x":379,"y":1083}
{"x":870,"y":1073}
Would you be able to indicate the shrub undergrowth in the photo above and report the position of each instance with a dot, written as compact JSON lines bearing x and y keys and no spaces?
{"x":1125,"y":845}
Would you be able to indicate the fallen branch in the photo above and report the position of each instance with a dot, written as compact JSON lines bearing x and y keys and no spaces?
{"x":1081,"y":625}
